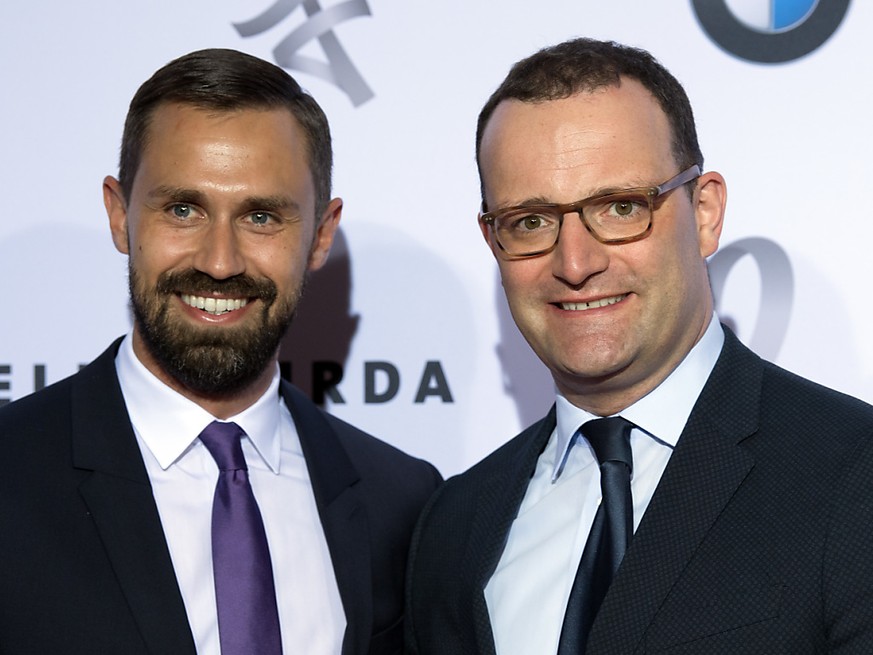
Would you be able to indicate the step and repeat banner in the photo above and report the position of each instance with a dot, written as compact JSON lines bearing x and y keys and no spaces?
{"x":405,"y":332}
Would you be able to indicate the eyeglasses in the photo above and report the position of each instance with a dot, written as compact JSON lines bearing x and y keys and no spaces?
{"x":615,"y":217}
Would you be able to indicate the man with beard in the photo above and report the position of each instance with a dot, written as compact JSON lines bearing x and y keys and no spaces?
{"x":176,"y":496}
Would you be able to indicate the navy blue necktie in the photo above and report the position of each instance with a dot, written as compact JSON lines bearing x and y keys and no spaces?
{"x":245,"y":595}
{"x":610,"y":534}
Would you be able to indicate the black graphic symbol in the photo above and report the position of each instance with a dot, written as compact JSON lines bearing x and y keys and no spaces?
{"x":772,"y":46}
{"x":338,"y":69}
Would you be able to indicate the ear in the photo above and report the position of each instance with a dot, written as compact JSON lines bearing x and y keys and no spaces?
{"x":324,"y":234}
{"x":116,"y":209}
{"x":710,"y":200}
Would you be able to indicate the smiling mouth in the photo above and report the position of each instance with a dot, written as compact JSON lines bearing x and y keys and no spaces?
{"x":214,"y":305}
{"x":594,"y":304}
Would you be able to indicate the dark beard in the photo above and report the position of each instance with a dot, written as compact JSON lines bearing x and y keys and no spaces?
{"x":215,"y":362}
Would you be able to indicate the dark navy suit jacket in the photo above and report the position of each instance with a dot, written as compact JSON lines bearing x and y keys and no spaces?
{"x":84,"y":565}
{"x":759,"y":537}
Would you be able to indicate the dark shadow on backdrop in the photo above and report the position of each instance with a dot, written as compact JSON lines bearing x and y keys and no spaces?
{"x":313,"y":354}
{"x":525,"y":378}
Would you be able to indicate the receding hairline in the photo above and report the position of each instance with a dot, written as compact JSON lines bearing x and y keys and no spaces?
{"x":588,"y":89}
{"x":591,"y":86}
{"x":223,"y":79}
{"x":218,"y":113}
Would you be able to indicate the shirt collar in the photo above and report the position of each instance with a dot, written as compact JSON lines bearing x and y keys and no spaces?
{"x":169,"y":424}
{"x":664,"y":411}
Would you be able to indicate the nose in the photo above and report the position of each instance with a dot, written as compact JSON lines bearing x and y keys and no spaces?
{"x":218,"y":251}
{"x":578,"y":255}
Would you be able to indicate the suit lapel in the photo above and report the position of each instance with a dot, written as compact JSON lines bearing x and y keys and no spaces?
{"x":119,"y":498}
{"x":497,"y":507}
{"x":704,"y":472}
{"x":342,"y":514}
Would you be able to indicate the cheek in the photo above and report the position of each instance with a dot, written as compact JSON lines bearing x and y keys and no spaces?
{"x":675,"y":251}
{"x":521,"y":277}
{"x":150,"y":240}
{"x":286,"y":266}
{"x":679,"y":275}
{"x":151,"y":259}
{"x":515,"y":292}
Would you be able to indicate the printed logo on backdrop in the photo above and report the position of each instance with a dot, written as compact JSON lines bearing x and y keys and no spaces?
{"x":777,"y":290}
{"x":338,"y":68}
{"x":315,"y":353}
{"x":770,"y":31}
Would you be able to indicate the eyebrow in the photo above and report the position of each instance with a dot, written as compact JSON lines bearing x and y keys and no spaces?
{"x":270,"y":203}
{"x":250,"y":203}
{"x":176,"y":194}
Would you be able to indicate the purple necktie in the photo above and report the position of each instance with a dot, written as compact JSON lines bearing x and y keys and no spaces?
{"x":248,"y":620}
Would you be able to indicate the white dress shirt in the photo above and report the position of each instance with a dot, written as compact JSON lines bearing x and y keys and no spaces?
{"x":527,"y":595}
{"x":183,"y":477}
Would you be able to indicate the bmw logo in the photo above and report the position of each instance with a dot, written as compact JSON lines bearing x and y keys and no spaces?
{"x":770,"y":31}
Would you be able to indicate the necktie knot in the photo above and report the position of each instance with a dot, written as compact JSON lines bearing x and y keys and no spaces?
{"x":223,"y":441}
{"x":610,"y":439}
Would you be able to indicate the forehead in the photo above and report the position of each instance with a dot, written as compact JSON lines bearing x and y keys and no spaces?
{"x":614,"y":135}
{"x":182,"y":122}
{"x":256,"y":148}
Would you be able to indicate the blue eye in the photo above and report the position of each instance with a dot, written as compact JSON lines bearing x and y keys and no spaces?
{"x":182,"y":211}
{"x":260,"y":218}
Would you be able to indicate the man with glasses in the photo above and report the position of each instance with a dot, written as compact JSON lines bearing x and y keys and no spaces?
{"x":683,"y":495}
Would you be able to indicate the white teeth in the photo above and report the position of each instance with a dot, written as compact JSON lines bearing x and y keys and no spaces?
{"x":214,"y":305}
{"x":582,"y":306}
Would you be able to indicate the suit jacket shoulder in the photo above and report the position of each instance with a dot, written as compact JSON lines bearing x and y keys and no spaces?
{"x":458,"y":542}
{"x":756,"y":539}
{"x":733,"y":552}
{"x":83,"y":547}
{"x":369,"y":495}
{"x":340,"y":454}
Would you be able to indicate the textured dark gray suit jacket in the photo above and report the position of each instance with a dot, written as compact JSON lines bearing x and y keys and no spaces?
{"x":759,"y":538}
{"x":85,"y":568}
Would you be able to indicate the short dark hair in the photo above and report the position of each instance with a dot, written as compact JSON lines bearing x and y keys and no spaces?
{"x":584,"y":65}
{"x":227,"y":80}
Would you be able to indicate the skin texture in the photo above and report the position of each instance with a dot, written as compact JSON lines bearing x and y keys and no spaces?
{"x":560,"y":151}
{"x":226,"y":197}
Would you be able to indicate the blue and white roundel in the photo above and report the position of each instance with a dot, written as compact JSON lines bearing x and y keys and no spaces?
{"x":771,"y":16}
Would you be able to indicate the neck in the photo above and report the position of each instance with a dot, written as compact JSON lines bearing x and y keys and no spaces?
{"x":604,"y":403}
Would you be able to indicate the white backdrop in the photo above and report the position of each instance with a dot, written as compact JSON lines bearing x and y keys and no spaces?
{"x":412,"y":292}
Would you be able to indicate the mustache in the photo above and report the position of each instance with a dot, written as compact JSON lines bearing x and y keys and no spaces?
{"x":199,"y":283}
